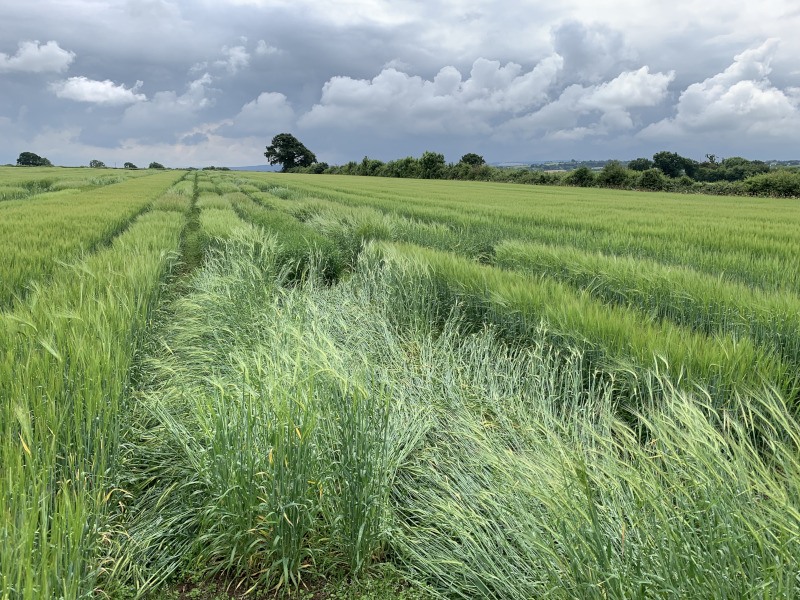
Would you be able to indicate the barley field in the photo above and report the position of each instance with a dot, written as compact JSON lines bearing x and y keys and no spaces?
{"x":259,"y":384}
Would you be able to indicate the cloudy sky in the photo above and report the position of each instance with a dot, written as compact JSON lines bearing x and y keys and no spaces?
{"x":211,"y":81}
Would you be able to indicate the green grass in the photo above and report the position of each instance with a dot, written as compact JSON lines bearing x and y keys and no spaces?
{"x":620,"y":341}
{"x":37,"y":234}
{"x":681,"y":295}
{"x":753,"y":240}
{"x":310,"y":387}
{"x":63,"y":376}
{"x":288,"y":433}
{"x":28,"y":182}
{"x":299,"y":244}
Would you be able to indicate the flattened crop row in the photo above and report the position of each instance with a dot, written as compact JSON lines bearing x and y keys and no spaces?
{"x":432,"y":283}
{"x":298,"y":242}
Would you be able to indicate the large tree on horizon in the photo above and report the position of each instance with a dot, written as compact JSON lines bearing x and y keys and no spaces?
{"x":287,"y":151}
{"x":30,"y":159}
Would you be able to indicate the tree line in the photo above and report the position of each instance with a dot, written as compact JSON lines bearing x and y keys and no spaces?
{"x":665,"y":171}
{"x":31,"y":159}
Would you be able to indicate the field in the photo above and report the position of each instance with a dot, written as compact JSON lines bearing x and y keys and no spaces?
{"x":331,"y":386}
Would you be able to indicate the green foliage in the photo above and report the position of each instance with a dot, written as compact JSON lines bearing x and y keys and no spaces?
{"x":60,"y":225}
{"x":431,"y":165}
{"x":643,"y":224}
{"x":673,"y":164}
{"x":582,"y":177}
{"x":370,"y":166}
{"x":640,"y":164}
{"x":268,"y":435}
{"x":680,"y":295}
{"x":682,"y":174}
{"x":614,"y":174}
{"x":784,"y":183}
{"x":472,"y":159}
{"x":29,"y":159}
{"x":155,"y":165}
{"x":407,"y":167}
{"x":97,"y":164}
{"x":563,"y":394}
{"x":63,"y":379}
{"x":730,"y":169}
{"x":623,"y":341}
{"x":287,"y":151}
{"x":300,"y":246}
{"x":652,"y":179}
{"x":278,"y":463}
{"x":130,"y":165}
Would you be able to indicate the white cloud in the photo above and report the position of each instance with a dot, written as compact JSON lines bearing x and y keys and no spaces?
{"x":503,"y":101}
{"x":630,"y":89}
{"x":268,"y":114}
{"x":82,"y":89}
{"x":264,"y":49}
{"x":606,"y":106}
{"x":740,"y":100}
{"x":395,"y":102}
{"x":33,"y":57}
{"x":168,"y":113}
{"x":235,"y":59}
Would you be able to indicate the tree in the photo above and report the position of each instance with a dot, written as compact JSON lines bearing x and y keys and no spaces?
{"x":737,"y":168}
{"x":431,"y":165}
{"x":130,"y":165}
{"x":673,"y":164}
{"x":582,"y":177}
{"x":370,"y":166}
{"x":402,"y":167}
{"x":97,"y":164}
{"x":29,"y":159}
{"x":472,"y":159}
{"x":670,"y":163}
{"x":613,"y":175}
{"x":155,"y":165}
{"x":652,"y":179}
{"x":640,"y":164}
{"x":287,"y":151}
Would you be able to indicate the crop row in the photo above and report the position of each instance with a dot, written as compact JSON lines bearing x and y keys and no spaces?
{"x":17,"y":183}
{"x":755,"y":242}
{"x":616,"y":339}
{"x":35,"y":235}
{"x":64,"y":374}
{"x":631,"y":312}
{"x":290,"y":432}
{"x":681,"y":295}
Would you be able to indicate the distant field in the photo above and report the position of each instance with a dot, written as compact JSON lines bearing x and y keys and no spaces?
{"x":454,"y":389}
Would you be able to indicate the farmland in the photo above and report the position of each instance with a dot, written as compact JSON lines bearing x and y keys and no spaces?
{"x":274,"y":381}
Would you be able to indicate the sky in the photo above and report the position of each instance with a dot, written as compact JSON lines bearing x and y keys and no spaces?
{"x":210,"y":82}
